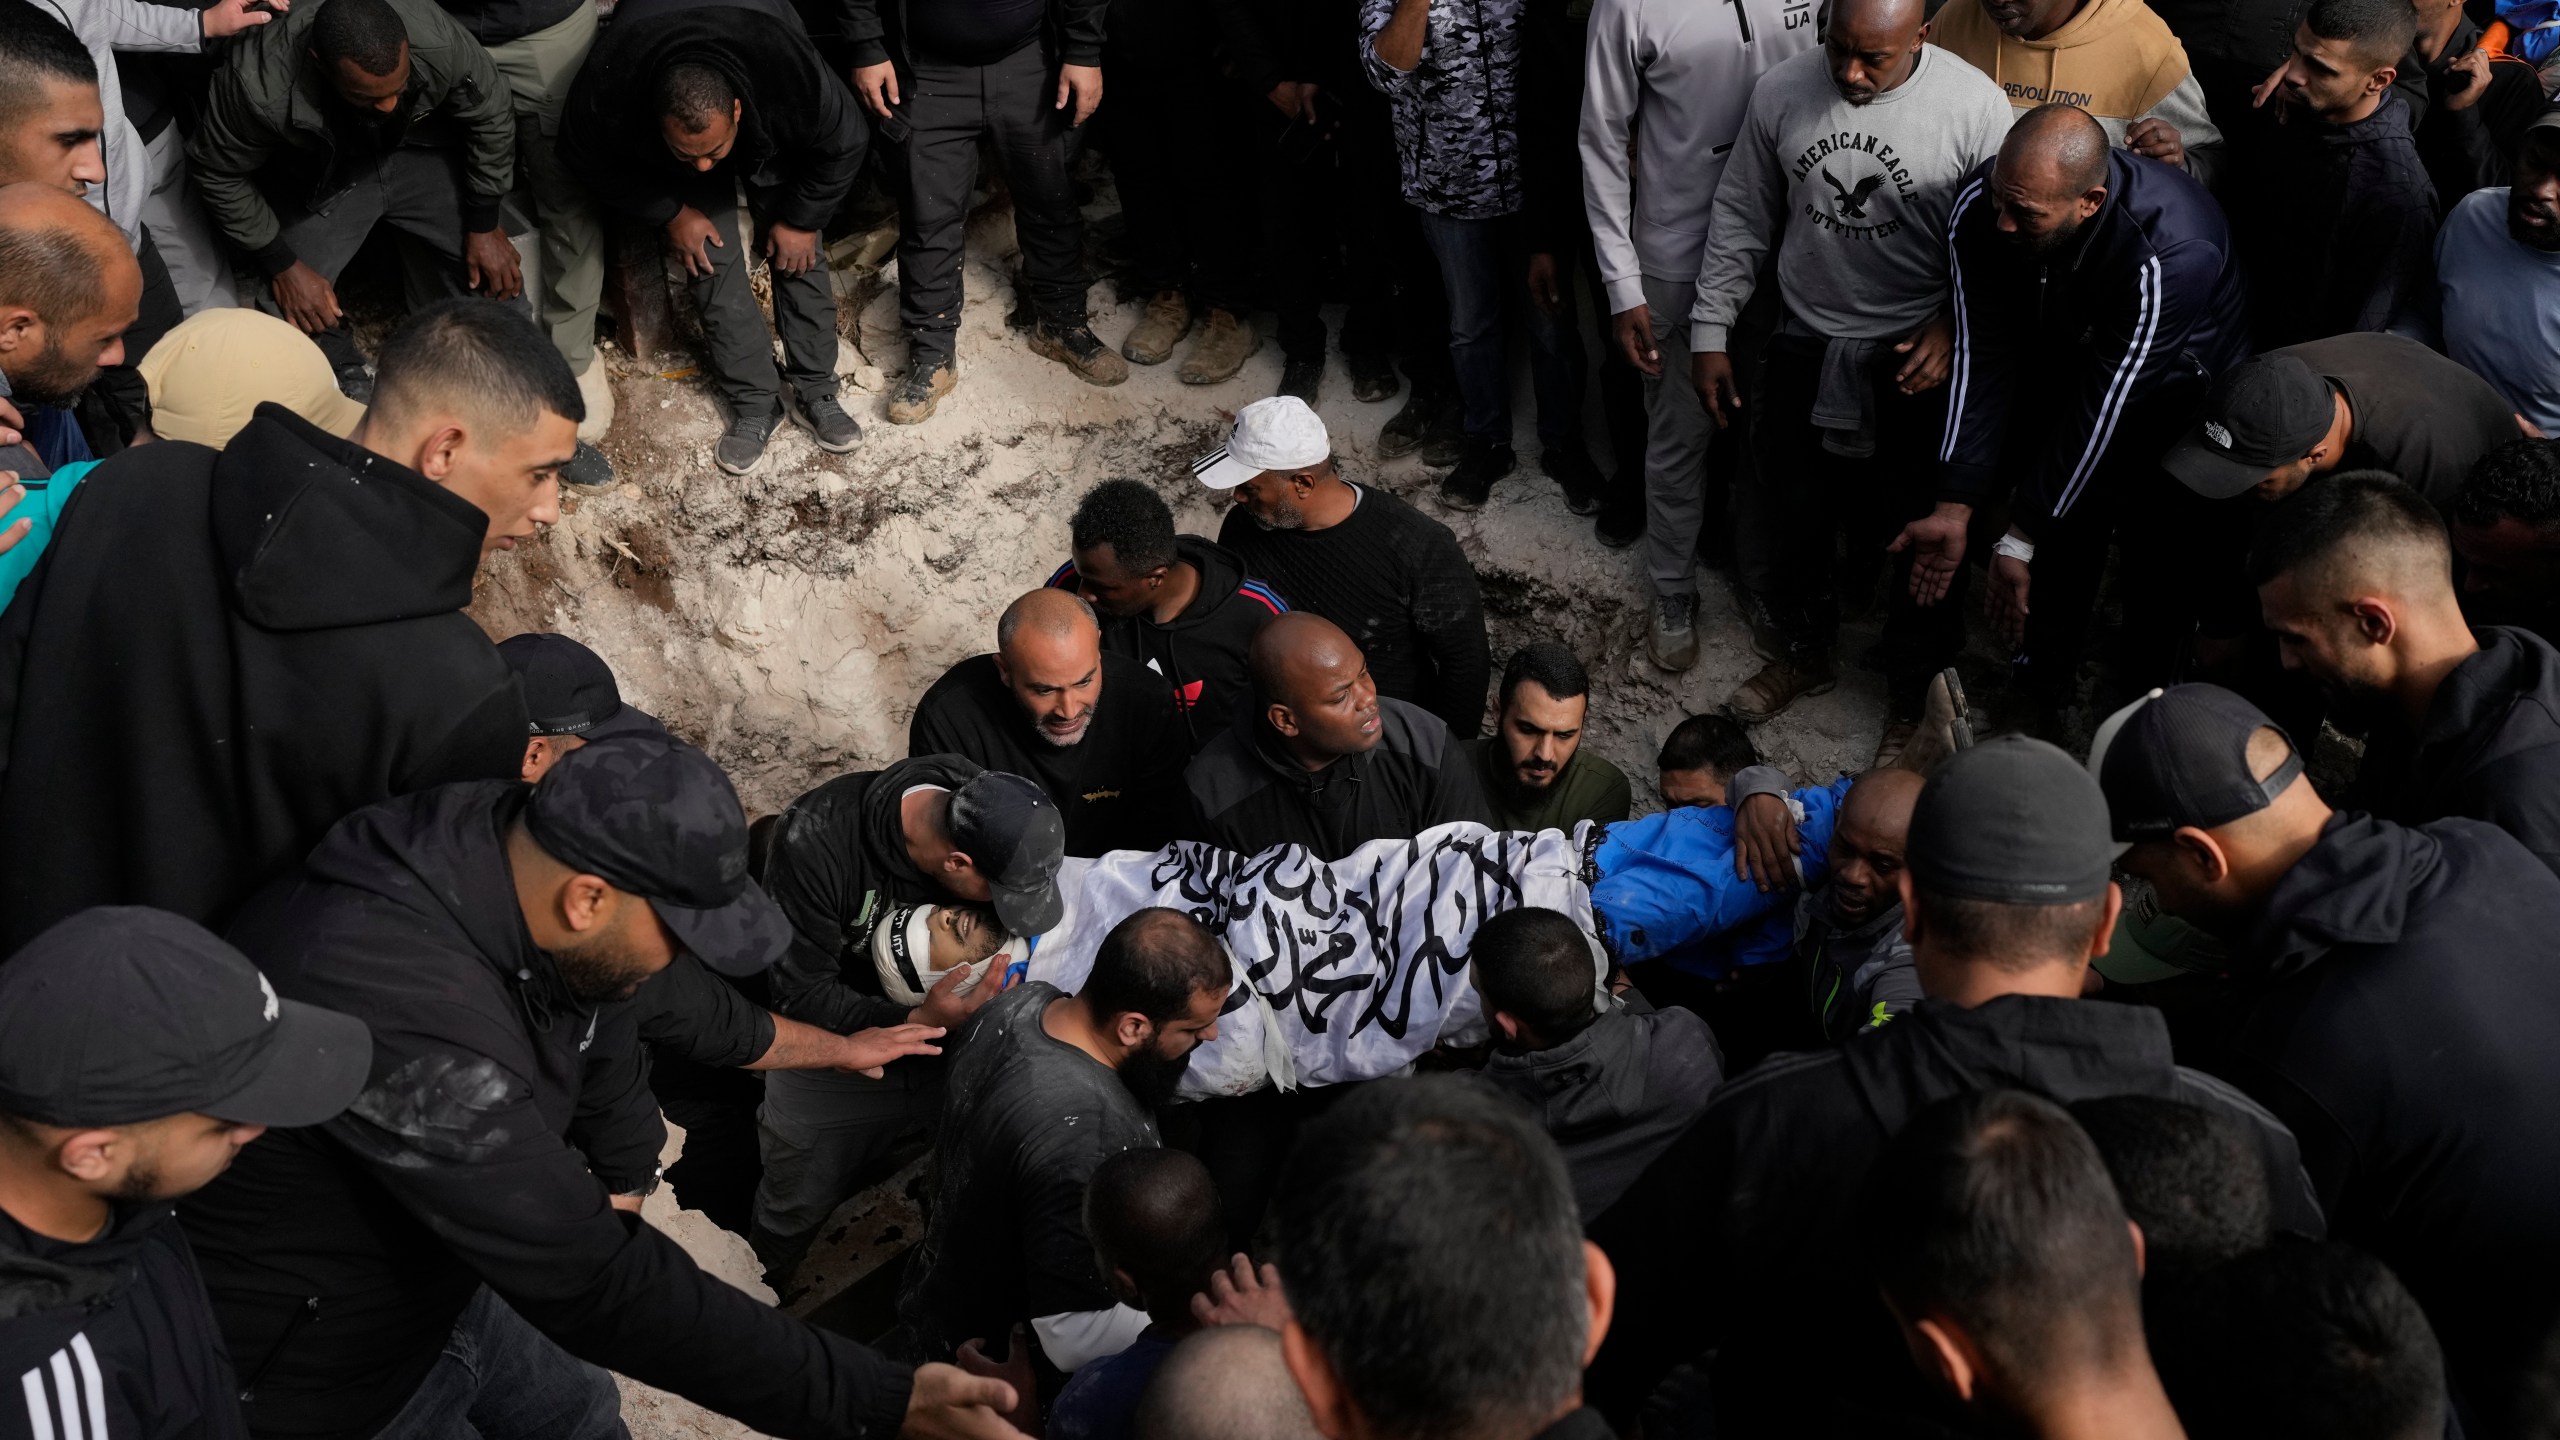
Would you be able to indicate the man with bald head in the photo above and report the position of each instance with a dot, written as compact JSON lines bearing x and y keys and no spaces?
{"x":1321,"y":759}
{"x":1227,"y":1383}
{"x":1097,"y":731}
{"x":2096,"y":298}
{"x":69,"y":289}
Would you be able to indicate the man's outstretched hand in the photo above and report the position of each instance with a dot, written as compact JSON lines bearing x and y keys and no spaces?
{"x":949,"y":1403}
{"x":870,"y":1052}
{"x":1936,"y":543}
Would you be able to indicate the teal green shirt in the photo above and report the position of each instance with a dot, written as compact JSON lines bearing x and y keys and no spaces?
{"x":43,"y":507}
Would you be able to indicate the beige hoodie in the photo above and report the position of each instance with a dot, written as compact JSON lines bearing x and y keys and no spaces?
{"x":2114,"y":59}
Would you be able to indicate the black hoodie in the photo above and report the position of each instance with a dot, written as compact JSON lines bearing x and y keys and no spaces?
{"x":2335,"y":224}
{"x":2408,"y":1038}
{"x":1200,"y":652}
{"x":222,"y":654}
{"x":1754,"y":1210}
{"x":2490,"y":749}
{"x":340,"y":1255}
{"x":1118,"y":788}
{"x":111,"y":1337}
{"x":1248,"y":795}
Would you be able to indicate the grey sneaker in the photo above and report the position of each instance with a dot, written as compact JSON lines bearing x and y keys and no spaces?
{"x":1673,"y":642}
{"x":826,"y":422}
{"x":741,"y":447}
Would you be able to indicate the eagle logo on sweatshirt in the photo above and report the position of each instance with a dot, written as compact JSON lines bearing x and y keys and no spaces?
{"x":1852,"y":203}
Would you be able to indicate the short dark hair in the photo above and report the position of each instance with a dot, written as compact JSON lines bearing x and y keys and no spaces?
{"x":53,"y":270}
{"x":2303,"y":1338}
{"x":478,"y":357}
{"x":693,"y":95}
{"x":1535,"y":966}
{"x":1552,"y":664}
{"x":1151,"y":964}
{"x":35,"y":50}
{"x":1230,"y":1382}
{"x":1708,"y":742}
{"x":2380,"y":30}
{"x":368,"y":32}
{"x":2187,"y":1175}
{"x":2312,"y":523}
{"x":2002,"y":935}
{"x":1155,"y":1214}
{"x":2519,"y":480}
{"x":1427,"y":1232}
{"x":1130,"y":518}
{"x":1993,"y":1209}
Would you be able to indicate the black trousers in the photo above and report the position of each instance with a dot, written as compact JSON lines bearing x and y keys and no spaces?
{"x":804,"y":312}
{"x":1170,"y":126}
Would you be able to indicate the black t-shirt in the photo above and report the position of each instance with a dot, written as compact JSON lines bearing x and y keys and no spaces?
{"x":1027,"y":1120}
{"x":2417,"y":414}
{"x":1119,"y":788}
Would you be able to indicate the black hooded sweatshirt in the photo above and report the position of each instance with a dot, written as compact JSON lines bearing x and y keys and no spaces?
{"x":1119,"y":788}
{"x":2407,"y":1037}
{"x":2335,"y":225}
{"x":1200,"y":652}
{"x":1248,"y":794}
{"x":2490,"y":749}
{"x":1754,"y":1210}
{"x":223,"y":653}
{"x":339,"y":1255}
{"x":111,"y":1337}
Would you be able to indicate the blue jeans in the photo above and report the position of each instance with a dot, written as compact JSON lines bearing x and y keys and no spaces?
{"x":501,"y":1379}
{"x":1484,"y":267}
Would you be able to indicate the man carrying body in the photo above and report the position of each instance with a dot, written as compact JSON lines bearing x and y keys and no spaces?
{"x":1322,"y":759}
{"x":1848,"y":924}
{"x":287,"y":620}
{"x":1095,"y":729}
{"x":348,"y":114}
{"x":1390,"y":576}
{"x":2114,"y":59}
{"x":1649,"y":189}
{"x":681,"y":102}
{"x":2498,"y":276}
{"x":1848,"y":163}
{"x":1533,"y":771}
{"x":1181,"y":605}
{"x":68,"y":292}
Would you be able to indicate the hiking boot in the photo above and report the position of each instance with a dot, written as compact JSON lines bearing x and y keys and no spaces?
{"x":1895,"y":744}
{"x":1404,"y":431}
{"x":1075,"y":347}
{"x":1484,"y":462}
{"x":1373,"y":378}
{"x":1673,"y":642}
{"x":1302,"y":378}
{"x":1767,"y":641}
{"x":826,"y":422}
{"x":1151,"y":340}
{"x":1945,"y":727}
{"x":596,"y":388}
{"x":587,"y":468}
{"x":919,"y":390}
{"x":1780,"y":684}
{"x":1574,"y":473}
{"x":741,"y":447}
{"x":1226,"y":342}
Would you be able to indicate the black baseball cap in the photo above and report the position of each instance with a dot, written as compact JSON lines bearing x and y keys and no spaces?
{"x":123,"y":1014}
{"x":654,"y":817}
{"x":569,"y":690}
{"x":1012,"y":831}
{"x":2179,"y":757}
{"x":2266,"y":411}
{"x":2013,"y":820}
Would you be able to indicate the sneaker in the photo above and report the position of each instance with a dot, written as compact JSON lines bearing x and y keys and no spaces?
{"x":1373,"y":378}
{"x":825,"y":420}
{"x":596,"y":388}
{"x":919,"y":390}
{"x":1621,"y":521}
{"x":1227,"y":340}
{"x":1673,"y":642}
{"x":1151,"y":340}
{"x":1767,"y":640}
{"x":1302,"y":378}
{"x":1573,"y":471}
{"x":741,"y":447}
{"x":1075,"y":347}
{"x":1780,"y":684}
{"x":1405,"y":429}
{"x":587,"y":469}
{"x":1484,"y":462}
{"x":1445,"y":443}
{"x":356,"y":382}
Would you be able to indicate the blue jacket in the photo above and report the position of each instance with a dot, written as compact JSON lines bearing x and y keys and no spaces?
{"x":1667,"y":888}
{"x":2145,"y":304}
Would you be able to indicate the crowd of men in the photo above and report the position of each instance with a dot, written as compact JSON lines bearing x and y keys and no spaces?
{"x":2184,"y":1073}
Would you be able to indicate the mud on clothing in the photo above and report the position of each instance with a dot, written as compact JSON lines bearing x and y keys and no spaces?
{"x":1200,"y":652}
{"x":1116,"y":789}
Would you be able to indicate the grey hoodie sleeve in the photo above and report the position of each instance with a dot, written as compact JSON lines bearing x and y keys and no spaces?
{"x":133,"y":25}
{"x":1753,"y":780}
{"x":1613,"y":83}
{"x":2184,"y":110}
{"x":1750,"y":213}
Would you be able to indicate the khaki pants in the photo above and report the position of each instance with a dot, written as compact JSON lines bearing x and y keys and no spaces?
{"x":539,"y":68}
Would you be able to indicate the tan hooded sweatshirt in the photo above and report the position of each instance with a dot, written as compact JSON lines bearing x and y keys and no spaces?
{"x":2114,"y":59}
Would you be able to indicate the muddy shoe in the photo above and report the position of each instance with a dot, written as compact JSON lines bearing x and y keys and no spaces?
{"x":1226,"y":342}
{"x":1895,"y":744}
{"x":1780,"y":684}
{"x":1404,"y":431}
{"x":826,"y":422}
{"x":1445,"y":444}
{"x":1574,"y":473}
{"x":918,"y":391}
{"x":1673,"y":641}
{"x":1945,"y":727}
{"x":1373,"y":378}
{"x":1302,"y":378}
{"x":741,"y":447}
{"x":1485,"y":462}
{"x":587,"y":468}
{"x":1167,"y":320}
{"x":1075,"y":347}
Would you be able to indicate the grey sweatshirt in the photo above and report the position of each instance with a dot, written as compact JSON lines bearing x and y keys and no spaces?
{"x":104,"y":27}
{"x":1854,"y":198}
{"x":1675,"y":75}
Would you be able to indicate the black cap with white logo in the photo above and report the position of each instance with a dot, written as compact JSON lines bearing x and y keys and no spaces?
{"x":123,"y":1014}
{"x":2266,"y":411}
{"x":569,"y":690}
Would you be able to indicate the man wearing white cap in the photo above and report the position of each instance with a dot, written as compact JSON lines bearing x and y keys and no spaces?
{"x":1390,"y":576}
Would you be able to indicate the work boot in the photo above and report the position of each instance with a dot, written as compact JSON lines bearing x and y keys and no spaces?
{"x":1074,"y":346}
{"x":1573,"y":472}
{"x":1445,"y":443}
{"x":596,"y":388}
{"x":1404,"y":430}
{"x":1898,"y":733}
{"x":1945,"y":727}
{"x":825,"y":420}
{"x":741,"y":447}
{"x":587,"y":468}
{"x":1673,"y":642}
{"x":1621,"y":521}
{"x":919,"y":390}
{"x":1373,"y":378}
{"x":1227,"y":340}
{"x":1484,"y":462}
{"x":1302,"y":378}
{"x":1151,"y":340}
{"x":1780,"y":684}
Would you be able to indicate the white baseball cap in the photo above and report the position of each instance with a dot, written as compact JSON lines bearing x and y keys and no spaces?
{"x":1280,"y":433}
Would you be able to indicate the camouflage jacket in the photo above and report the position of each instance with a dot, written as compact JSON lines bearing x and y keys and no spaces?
{"x":1457,"y":112}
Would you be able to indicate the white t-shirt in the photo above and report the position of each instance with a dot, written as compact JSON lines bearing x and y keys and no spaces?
{"x":2501,"y":306}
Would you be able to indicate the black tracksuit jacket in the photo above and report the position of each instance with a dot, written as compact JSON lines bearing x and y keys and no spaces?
{"x":499,"y":1115}
{"x":1247,"y":794}
{"x":111,"y":1339}
{"x":2490,"y":749}
{"x":1200,"y":652}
